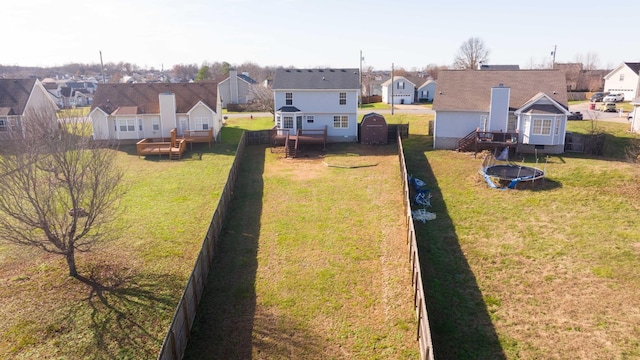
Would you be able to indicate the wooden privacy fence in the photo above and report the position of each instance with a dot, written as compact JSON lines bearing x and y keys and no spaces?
{"x":423,"y":333}
{"x":175,"y":342}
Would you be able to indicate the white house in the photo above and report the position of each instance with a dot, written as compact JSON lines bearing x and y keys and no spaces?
{"x":401,"y":89}
{"x":528,"y":104}
{"x":19,"y":98}
{"x":152,"y":110}
{"x":427,"y":90}
{"x":634,"y":114}
{"x":625,"y":79}
{"x":316,"y":99}
{"x":235,"y":89}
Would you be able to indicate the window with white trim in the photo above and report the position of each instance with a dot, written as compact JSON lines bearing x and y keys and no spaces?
{"x":310,"y":119}
{"x":343,"y":98}
{"x":287,"y":122}
{"x":155,"y":124}
{"x":340,"y":121}
{"x":400,"y":85}
{"x":541,"y":127}
{"x":202,"y":123}
{"x":278,"y":121}
{"x":127,"y":125}
{"x":557,"y":127}
{"x":621,"y":77}
{"x":288,"y":98}
{"x":140,"y":124}
{"x":4,"y":125}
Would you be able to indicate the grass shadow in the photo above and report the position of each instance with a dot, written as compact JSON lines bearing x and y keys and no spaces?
{"x":122,"y":309}
{"x":225,"y":319}
{"x":460,"y":321}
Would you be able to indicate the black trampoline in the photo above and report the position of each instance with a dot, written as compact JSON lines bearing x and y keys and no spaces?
{"x":505,"y":172}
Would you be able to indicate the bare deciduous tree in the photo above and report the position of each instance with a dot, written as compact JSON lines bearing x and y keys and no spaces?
{"x":471,"y":53}
{"x":261,"y":98}
{"x":60,"y":188}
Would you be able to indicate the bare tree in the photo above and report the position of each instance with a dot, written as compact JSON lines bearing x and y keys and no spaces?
{"x":60,"y":188}
{"x":261,"y":98}
{"x":471,"y":53}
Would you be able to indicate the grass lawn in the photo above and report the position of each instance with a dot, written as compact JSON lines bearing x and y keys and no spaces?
{"x":313,"y":264}
{"x":549,"y":272}
{"x":166,"y":211}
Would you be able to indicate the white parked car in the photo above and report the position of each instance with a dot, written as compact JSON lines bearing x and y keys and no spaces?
{"x":613,"y":98}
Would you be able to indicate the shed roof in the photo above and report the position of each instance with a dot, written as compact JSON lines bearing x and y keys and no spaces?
{"x":470,"y":90}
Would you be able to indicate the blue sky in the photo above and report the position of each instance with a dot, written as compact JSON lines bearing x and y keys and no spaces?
{"x":307,"y":33}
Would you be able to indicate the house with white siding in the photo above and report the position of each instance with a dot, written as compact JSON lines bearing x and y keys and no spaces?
{"x":152,"y":110}
{"x":526,"y":109}
{"x":19,"y":99}
{"x":624,"y":79}
{"x":398,"y":90}
{"x":235,"y":89}
{"x":634,"y":116}
{"x":316,"y":99}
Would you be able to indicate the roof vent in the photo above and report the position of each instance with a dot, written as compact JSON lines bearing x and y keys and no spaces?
{"x":501,"y":85}
{"x":323,"y":78}
{"x":332,"y":70}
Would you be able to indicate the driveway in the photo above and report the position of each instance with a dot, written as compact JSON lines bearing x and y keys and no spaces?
{"x":598,"y":115}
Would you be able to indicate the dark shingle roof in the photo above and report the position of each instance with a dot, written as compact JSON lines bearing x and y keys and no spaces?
{"x":470,"y":90}
{"x":110,"y":97}
{"x":499,"y":67}
{"x":316,"y":79}
{"x":634,"y":66}
{"x":289,"y":109}
{"x":247,"y":78}
{"x":14,"y":94}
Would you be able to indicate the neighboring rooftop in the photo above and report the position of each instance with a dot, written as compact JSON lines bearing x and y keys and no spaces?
{"x":14,"y":94}
{"x":144,"y":97}
{"x":470,"y":90}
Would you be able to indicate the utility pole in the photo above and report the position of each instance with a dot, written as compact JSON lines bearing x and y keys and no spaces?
{"x":392,"y":80}
{"x":360,"y":96}
{"x":553,"y":53}
{"x":102,"y":67}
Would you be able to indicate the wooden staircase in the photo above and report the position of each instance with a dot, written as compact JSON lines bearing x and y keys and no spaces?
{"x":290,"y":147}
{"x":468,"y":142}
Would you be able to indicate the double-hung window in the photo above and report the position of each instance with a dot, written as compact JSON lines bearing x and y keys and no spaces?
{"x":201,"y":123}
{"x":288,"y":98}
{"x":127,"y":125}
{"x":343,"y":98}
{"x":340,"y":121}
{"x":541,"y":127}
{"x":287,"y":122}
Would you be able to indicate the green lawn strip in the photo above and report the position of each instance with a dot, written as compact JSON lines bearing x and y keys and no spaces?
{"x":306,"y":263}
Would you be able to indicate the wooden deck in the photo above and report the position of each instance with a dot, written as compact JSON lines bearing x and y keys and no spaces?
{"x":482,"y":140}
{"x":198,"y":136}
{"x":174,"y":148}
{"x":293,"y":143}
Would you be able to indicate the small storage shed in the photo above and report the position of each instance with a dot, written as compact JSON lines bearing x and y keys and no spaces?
{"x":373,"y":129}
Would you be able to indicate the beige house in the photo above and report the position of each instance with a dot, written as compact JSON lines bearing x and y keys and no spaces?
{"x":152,"y":110}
